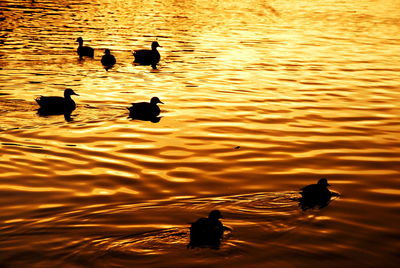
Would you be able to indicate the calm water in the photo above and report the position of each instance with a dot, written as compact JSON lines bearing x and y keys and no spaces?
{"x":307,"y":89}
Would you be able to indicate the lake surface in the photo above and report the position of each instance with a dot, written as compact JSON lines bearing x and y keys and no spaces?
{"x":260,"y":99}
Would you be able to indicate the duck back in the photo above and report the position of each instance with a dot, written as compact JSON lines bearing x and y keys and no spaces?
{"x":315,"y":191}
{"x":143,"y":109}
{"x":55,"y":105}
{"x":206,"y":232}
{"x":108,"y":60}
{"x":313,"y":196}
{"x":147,"y":57}
{"x":50,"y":101}
{"x":85,"y":51}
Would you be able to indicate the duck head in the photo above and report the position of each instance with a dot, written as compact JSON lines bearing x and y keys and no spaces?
{"x":69,"y":92}
{"x":155,"y":100}
{"x":154,"y":45}
{"x":323,"y":182}
{"x":79,"y":40}
{"x":107,"y":51}
{"x":215,"y":215}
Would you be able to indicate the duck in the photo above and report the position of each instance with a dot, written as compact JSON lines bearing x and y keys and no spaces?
{"x":314,"y":195}
{"x":56,"y":105}
{"x":108,"y":60}
{"x":148,"y":57}
{"x":207,"y":232}
{"x":84,"y":50}
{"x":145,"y":110}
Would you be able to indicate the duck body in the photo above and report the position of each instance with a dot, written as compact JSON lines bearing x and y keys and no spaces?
{"x":84,"y":50}
{"x":148,"y":57}
{"x":315,"y":195}
{"x":56,"y":105}
{"x":145,"y":110}
{"x":207,"y":232}
{"x":108,"y":60}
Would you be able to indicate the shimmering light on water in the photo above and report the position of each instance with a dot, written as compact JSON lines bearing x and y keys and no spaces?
{"x":261,"y":98}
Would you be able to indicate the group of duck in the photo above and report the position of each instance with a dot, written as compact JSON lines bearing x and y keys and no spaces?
{"x":55,"y":105}
{"x":205,"y":232}
{"x":142,"y":56}
{"x":148,"y":111}
{"x":208,"y":232}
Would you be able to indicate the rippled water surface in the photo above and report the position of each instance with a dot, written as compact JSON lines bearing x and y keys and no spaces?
{"x":260,"y":99}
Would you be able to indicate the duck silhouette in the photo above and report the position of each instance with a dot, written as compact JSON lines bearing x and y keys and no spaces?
{"x":147,"y":111}
{"x":108,"y":60}
{"x":148,"y":57}
{"x":54,"y":105}
{"x":316,"y":195}
{"x":207,"y":232}
{"x":84,"y":50}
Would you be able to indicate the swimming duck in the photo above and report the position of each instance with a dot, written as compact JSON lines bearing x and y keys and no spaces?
{"x":145,"y":110}
{"x":315,"y":195}
{"x":108,"y":60}
{"x":148,"y":57}
{"x":207,"y":232}
{"x":84,"y":50}
{"x":57,"y":105}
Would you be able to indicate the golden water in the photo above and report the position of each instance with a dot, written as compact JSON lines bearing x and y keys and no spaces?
{"x":307,"y":89}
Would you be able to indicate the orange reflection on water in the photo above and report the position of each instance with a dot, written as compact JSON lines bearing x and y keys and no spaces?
{"x":260,"y":99}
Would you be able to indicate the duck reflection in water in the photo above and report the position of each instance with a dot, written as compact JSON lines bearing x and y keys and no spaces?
{"x":207,"y":232}
{"x":148,"y":57}
{"x":54,"y":105}
{"x":146,"y":111}
{"x":316,"y":195}
{"x":108,"y":60}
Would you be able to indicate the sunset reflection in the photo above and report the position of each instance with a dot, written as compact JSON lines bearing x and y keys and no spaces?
{"x":255,"y":100}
